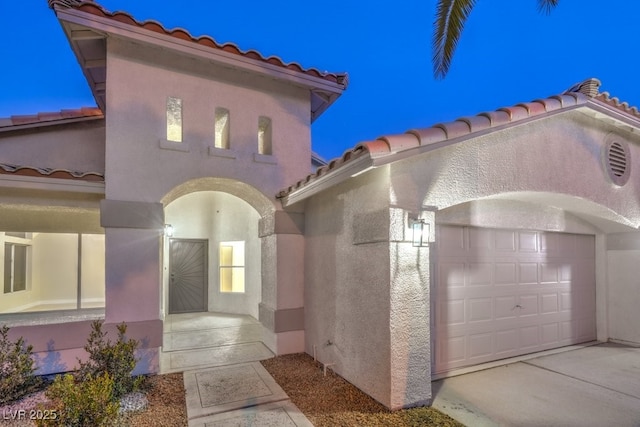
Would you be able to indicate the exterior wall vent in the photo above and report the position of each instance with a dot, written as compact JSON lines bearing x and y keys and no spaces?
{"x":617,"y":160}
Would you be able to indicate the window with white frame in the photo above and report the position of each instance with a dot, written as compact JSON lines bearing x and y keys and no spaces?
{"x":51,"y":271}
{"x":174,"y":119}
{"x":16,"y":251}
{"x":264,"y":136}
{"x":222,"y":129}
{"x":232,"y":266}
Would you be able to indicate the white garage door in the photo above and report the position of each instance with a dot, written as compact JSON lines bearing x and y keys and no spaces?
{"x":504,"y":293}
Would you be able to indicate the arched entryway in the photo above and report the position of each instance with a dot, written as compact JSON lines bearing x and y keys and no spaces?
{"x":212,"y":273}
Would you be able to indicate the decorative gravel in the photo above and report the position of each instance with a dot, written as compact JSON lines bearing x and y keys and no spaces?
{"x":327,"y":401}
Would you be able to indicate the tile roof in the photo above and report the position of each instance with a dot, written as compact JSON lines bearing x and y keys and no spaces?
{"x":50,"y":118}
{"x":94,"y":8}
{"x":6,"y":169}
{"x":578,"y":94}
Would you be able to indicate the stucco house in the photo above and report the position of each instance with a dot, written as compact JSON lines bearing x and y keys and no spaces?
{"x":412,"y":257}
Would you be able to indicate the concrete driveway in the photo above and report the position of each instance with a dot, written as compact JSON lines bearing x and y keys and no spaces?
{"x":591,"y":386}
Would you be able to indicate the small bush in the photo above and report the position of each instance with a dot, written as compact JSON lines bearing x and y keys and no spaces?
{"x":116,"y":359}
{"x":17,"y":371}
{"x":89,"y":402}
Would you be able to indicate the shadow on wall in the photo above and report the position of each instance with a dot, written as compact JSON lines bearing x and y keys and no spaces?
{"x":51,"y":363}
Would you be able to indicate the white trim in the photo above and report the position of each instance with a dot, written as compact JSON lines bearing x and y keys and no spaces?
{"x":51,"y":184}
{"x":340,"y":174}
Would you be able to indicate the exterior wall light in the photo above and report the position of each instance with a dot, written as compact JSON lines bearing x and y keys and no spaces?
{"x":420,"y":233}
{"x":168,"y":230}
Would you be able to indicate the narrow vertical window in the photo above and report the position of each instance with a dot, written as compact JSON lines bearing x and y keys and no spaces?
{"x":222,"y":128}
{"x":15,"y":268}
{"x":174,"y":119}
{"x":232,"y":267}
{"x":264,"y":135}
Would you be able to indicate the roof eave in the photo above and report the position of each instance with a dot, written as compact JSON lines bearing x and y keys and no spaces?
{"x":42,"y":124}
{"x":52,"y":184}
{"x":351,"y":169}
{"x":109,"y":27}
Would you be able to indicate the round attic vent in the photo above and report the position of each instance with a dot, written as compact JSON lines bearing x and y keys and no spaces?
{"x":617,"y":161}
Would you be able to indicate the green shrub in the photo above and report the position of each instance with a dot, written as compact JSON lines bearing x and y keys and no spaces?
{"x":116,"y":359}
{"x":17,"y":371}
{"x":89,"y":402}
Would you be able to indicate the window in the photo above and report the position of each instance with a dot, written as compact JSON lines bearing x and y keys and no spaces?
{"x":264,"y":135}
{"x":51,"y":271}
{"x":232,"y":267}
{"x":174,"y":119}
{"x":222,"y":128}
{"x":15,"y":267}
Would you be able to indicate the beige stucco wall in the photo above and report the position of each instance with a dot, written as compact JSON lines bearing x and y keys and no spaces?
{"x":74,"y":147}
{"x":141,"y":79}
{"x":347,"y":282}
{"x":557,"y":162}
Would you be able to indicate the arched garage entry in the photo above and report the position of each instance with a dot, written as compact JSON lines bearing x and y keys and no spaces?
{"x":516,"y":274}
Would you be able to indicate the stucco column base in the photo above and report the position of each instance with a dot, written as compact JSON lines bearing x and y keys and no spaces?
{"x":283,"y":342}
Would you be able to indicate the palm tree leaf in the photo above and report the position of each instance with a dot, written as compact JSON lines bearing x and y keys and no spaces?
{"x":545,"y":6}
{"x":451,"y":16}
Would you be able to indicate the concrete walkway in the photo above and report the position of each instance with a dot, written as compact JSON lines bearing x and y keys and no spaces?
{"x":225,"y":383}
{"x":591,"y":386}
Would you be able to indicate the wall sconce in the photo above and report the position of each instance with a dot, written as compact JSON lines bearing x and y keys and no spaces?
{"x":420,"y":233}
{"x":168,"y":230}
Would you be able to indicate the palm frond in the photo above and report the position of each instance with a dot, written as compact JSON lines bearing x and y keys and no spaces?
{"x":451,"y":16}
{"x":545,"y":6}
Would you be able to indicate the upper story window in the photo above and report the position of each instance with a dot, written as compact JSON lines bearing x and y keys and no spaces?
{"x":222,"y":129}
{"x":174,"y":119}
{"x":264,"y":135}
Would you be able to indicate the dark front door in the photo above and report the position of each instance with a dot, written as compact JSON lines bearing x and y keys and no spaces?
{"x":187,"y":275}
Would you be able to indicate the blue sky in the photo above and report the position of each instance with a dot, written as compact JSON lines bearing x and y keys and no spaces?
{"x":509,"y":53}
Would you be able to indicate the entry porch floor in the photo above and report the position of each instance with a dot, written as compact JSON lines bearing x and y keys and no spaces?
{"x":195,"y":340}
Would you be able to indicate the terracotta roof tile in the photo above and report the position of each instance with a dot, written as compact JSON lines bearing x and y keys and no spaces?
{"x":180,"y":33}
{"x":7,"y":169}
{"x":55,"y":117}
{"x":578,"y":94}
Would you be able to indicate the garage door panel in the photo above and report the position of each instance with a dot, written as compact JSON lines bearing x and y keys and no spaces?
{"x":451,"y":274}
{"x":503,"y":293}
{"x":505,"y":273}
{"x":527,"y":242}
{"x":550,"y":333}
{"x":451,"y":240}
{"x":529,"y":337}
{"x":505,"y":307}
{"x":480,"y":239}
{"x":528,"y":272}
{"x":550,"y":302}
{"x":480,"y":345}
{"x":528,"y":305}
{"x":506,"y":341}
{"x":451,"y":312}
{"x":480,"y":310}
{"x":549,"y":272}
{"x":505,"y":241}
{"x":479,"y":274}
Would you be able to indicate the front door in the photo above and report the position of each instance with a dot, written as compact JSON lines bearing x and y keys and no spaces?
{"x":188,"y":275}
